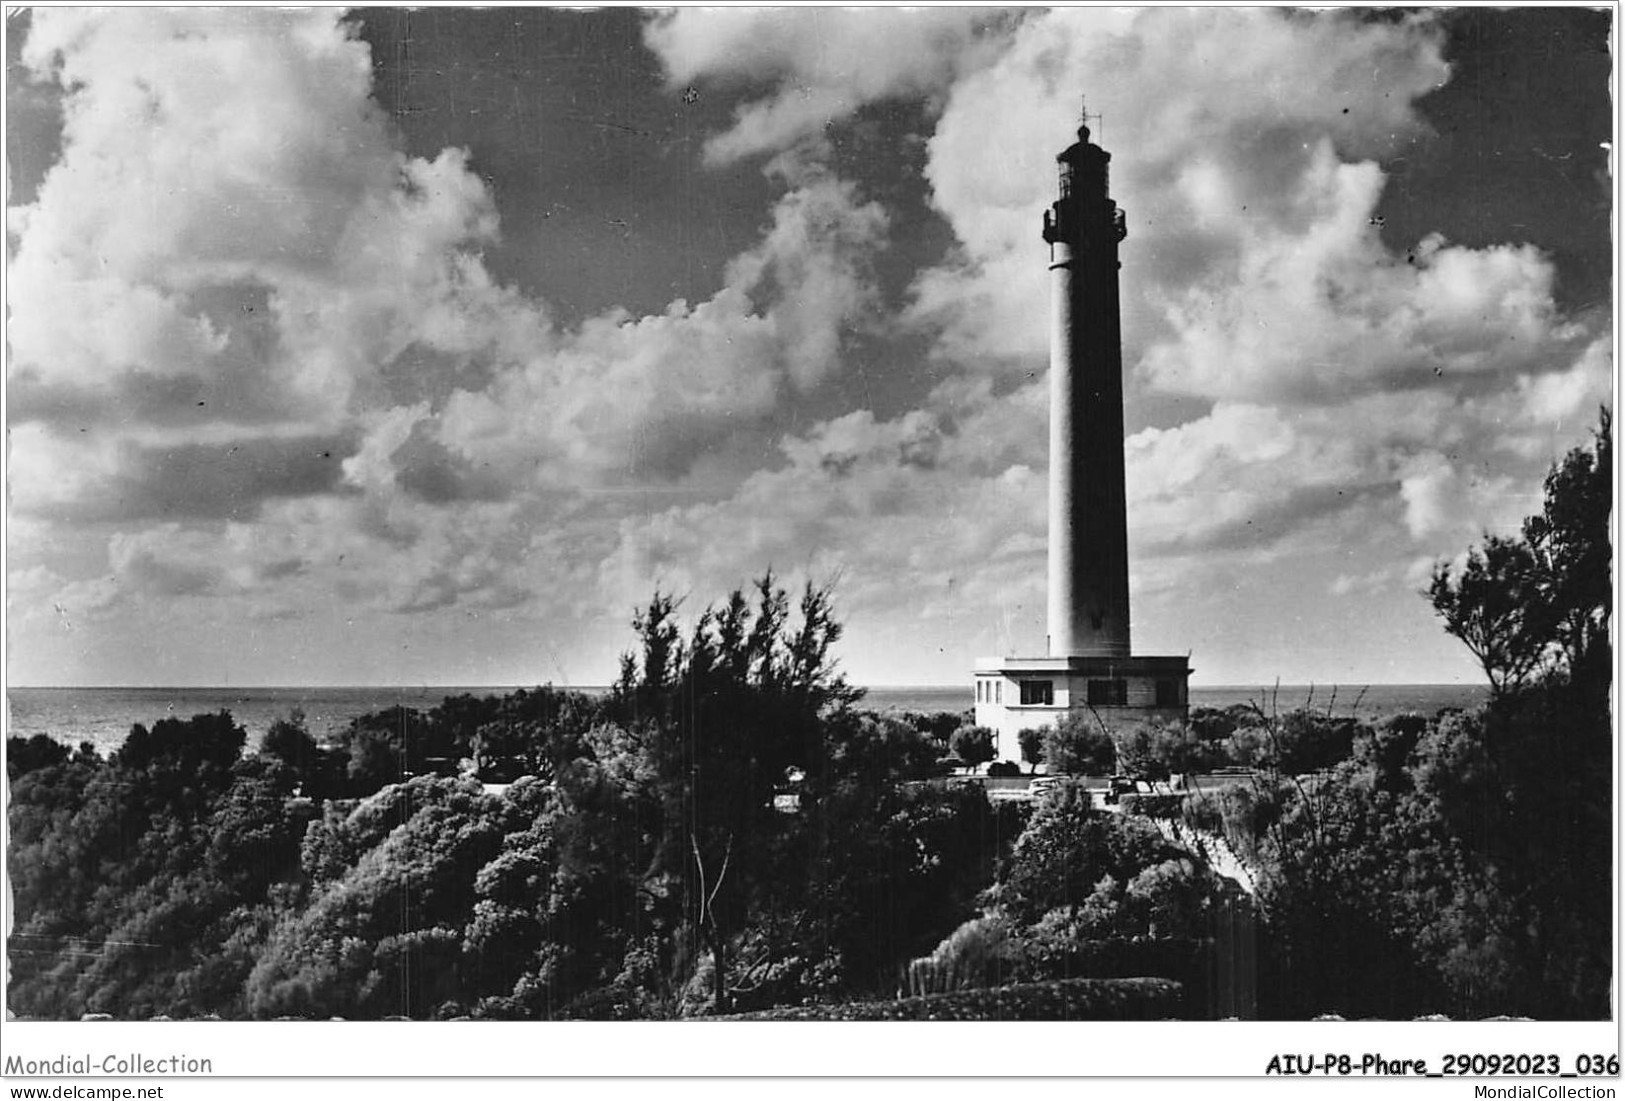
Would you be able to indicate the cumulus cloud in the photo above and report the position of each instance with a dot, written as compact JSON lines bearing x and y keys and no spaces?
{"x":257,"y":348}
{"x":1247,"y":151}
{"x":207,"y":152}
{"x":642,"y":398}
{"x":317,"y":552}
{"x":1315,"y":318}
{"x":161,"y":565}
{"x":226,"y":262}
{"x":1237,"y":476}
{"x":1547,"y":410}
{"x":1343,"y":374}
{"x":822,"y":64}
{"x":1440,"y":498}
{"x":211,"y":481}
{"x":867,"y":500}
{"x":243,"y":319}
{"x":927,"y":520}
{"x":1231,"y":126}
{"x":1362,"y":584}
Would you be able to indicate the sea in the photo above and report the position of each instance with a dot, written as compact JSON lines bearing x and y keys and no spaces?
{"x":103,"y":716}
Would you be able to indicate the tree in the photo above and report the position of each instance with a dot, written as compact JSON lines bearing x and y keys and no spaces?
{"x":892,"y":869}
{"x":1464,"y":864}
{"x":162,"y":858}
{"x":723,"y":720}
{"x":1079,"y":744}
{"x":1170,"y":898}
{"x":1292,"y":742}
{"x":316,"y":772}
{"x":384,"y":935}
{"x":1067,"y":848}
{"x":1495,"y":607}
{"x":973,"y":745}
{"x":1541,"y":603}
{"x":289,"y":742}
{"x":939,"y":726}
{"x":1153,"y":751}
{"x":535,"y":731}
{"x":877,"y":750}
{"x":1570,"y":545}
{"x":1032,"y":739}
{"x":27,"y":754}
{"x":183,"y":745}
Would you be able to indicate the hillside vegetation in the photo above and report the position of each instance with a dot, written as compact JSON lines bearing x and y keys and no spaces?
{"x":726,"y":833}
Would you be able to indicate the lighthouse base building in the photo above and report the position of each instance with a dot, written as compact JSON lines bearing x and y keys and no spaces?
{"x":1014,"y":694}
{"x":1090,"y":668}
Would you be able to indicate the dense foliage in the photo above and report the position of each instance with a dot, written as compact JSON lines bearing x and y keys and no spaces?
{"x":142,"y":882}
{"x":1091,"y":893}
{"x":1458,"y":864}
{"x":725,"y":832}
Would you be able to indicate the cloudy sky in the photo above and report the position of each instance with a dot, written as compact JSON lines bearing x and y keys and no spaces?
{"x":420,"y":347}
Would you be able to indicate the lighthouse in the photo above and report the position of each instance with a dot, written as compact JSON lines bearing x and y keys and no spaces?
{"x":1089,"y":664}
{"x":1088,"y":518}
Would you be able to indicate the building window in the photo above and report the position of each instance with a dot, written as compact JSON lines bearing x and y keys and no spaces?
{"x":998,"y":691}
{"x":1038,"y":692}
{"x":1167,"y":692}
{"x":980,"y":685}
{"x":1108,"y":693}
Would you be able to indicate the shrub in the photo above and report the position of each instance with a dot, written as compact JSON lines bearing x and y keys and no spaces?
{"x":1153,"y":806}
{"x":1210,"y":724}
{"x":1004,"y":768}
{"x":968,"y":958}
{"x":1170,"y":899}
{"x":1311,"y":740}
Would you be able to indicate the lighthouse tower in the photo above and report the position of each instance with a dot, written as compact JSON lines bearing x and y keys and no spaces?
{"x":1088,"y":521}
{"x":1089,"y":665}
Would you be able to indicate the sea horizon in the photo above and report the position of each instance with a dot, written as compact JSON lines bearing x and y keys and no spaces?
{"x":104,"y":714}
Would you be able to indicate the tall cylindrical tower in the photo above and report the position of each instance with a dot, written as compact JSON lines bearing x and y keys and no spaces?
{"x":1088,"y":522}
{"x":1089,"y":668}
